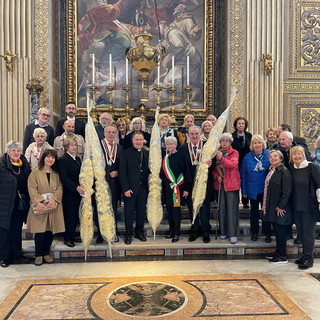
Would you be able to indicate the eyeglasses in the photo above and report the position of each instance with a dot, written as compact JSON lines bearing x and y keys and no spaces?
{"x":71,"y":108}
{"x":45,"y":115}
{"x":137,"y":123}
{"x":40,"y":136}
{"x":121,"y":125}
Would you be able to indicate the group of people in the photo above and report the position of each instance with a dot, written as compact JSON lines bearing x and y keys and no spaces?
{"x":269,"y":173}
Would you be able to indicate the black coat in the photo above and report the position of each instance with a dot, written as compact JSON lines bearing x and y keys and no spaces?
{"x":79,"y":127}
{"x":9,"y":187}
{"x":278,"y":195}
{"x":242,"y":147}
{"x":129,"y":170}
{"x":114,"y":183}
{"x":28,"y":135}
{"x":100,"y":131}
{"x":178,"y":165}
{"x":69,"y":171}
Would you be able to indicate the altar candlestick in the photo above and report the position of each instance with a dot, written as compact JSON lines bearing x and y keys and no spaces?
{"x":188,"y":71}
{"x":158,"y":80}
{"x":110,"y":68}
{"x":115,"y":75}
{"x":127,"y":72}
{"x":93,"y":69}
{"x":172,"y":70}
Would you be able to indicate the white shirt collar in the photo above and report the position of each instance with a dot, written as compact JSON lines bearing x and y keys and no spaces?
{"x":42,"y":126}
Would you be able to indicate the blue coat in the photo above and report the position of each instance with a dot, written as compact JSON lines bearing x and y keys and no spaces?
{"x":252,"y":182}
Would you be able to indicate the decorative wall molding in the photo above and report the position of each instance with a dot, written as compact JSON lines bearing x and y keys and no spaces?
{"x":304,"y":57}
{"x":305,"y":87}
{"x":41,"y":47}
{"x":237,"y":31}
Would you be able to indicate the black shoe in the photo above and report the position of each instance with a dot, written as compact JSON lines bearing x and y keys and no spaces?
{"x":254,"y":237}
{"x":77,"y":239}
{"x":21,"y":260}
{"x":175,"y":238}
{"x":99,"y":240}
{"x":115,"y":239}
{"x":297,"y":241}
{"x":318,"y":236}
{"x":272,"y":255}
{"x":246,"y":206}
{"x":127,"y":240}
{"x":169,"y":236}
{"x":4,"y":264}
{"x":192,"y":237}
{"x":69,"y":243}
{"x":306,"y":264}
{"x":141,"y":237}
{"x":268,"y":239}
{"x":300,"y":260}
{"x":206,"y":239}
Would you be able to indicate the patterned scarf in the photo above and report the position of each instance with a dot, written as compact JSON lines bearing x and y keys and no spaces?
{"x":266,"y":185}
{"x":259,"y":166}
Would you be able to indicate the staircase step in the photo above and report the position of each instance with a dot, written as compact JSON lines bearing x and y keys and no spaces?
{"x":161,"y":247}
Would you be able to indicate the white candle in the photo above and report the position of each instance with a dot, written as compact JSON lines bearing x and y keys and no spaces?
{"x":172,"y":70}
{"x":158,"y":80}
{"x":188,"y":71}
{"x":127,"y":72}
{"x":110,"y":68}
{"x":93,"y":69}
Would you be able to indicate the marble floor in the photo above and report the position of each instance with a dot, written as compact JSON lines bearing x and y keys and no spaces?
{"x":300,"y":286}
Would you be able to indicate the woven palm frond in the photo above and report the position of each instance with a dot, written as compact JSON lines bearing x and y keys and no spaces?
{"x":201,"y":179}
{"x":154,"y":206}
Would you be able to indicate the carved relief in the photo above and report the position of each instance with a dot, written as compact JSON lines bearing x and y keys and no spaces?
{"x":304,"y":41}
{"x":302,"y":87}
{"x":310,"y":40}
{"x":310,"y":123}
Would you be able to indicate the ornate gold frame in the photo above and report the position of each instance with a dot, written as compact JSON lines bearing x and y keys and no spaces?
{"x":208,"y":66}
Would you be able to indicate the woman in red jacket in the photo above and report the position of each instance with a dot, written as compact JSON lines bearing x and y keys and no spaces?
{"x":227,"y":178}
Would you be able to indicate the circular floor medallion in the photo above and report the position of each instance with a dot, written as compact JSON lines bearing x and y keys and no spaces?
{"x":147,"y":299}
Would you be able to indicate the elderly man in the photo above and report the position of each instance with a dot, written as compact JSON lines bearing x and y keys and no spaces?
{"x":298,"y":140}
{"x":79,"y":125}
{"x":193,"y":153}
{"x":68,"y":128}
{"x":112,"y":152}
{"x":212,"y":118}
{"x":285,"y":144}
{"x":104,"y":120}
{"x":133,"y":175}
{"x":42,"y":122}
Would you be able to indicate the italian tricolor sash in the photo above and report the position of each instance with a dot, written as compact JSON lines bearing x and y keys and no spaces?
{"x":174,"y":183}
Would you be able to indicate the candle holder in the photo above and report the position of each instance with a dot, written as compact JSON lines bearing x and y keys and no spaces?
{"x":173,"y":117}
{"x":158,"y":89}
{"x":110,"y":90}
{"x":94,"y":113}
{"x":142,"y":108}
{"x":172,"y":98}
{"x":127,"y":89}
{"x":188,"y":90}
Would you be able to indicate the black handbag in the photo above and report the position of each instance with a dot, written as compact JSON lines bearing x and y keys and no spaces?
{"x":24,"y":202}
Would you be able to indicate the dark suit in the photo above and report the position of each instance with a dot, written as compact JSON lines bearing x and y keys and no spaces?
{"x":133,"y":175}
{"x":69,"y":170}
{"x":100,"y":131}
{"x":79,"y":127}
{"x":202,"y":222}
{"x":28,"y":135}
{"x":114,"y":183}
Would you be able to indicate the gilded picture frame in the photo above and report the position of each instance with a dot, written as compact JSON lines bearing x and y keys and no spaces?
{"x":83,"y":39}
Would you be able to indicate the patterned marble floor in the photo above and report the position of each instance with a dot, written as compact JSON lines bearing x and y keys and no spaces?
{"x":224,"y":296}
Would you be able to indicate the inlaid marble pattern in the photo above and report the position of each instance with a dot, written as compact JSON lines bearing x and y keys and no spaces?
{"x":222,"y":297}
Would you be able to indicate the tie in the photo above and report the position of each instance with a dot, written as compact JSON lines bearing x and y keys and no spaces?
{"x":195,"y":150}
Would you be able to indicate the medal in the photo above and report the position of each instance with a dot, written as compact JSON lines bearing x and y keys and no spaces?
{"x":195,"y":159}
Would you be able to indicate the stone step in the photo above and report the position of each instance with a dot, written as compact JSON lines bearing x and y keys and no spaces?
{"x":164,"y":248}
